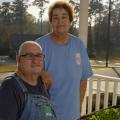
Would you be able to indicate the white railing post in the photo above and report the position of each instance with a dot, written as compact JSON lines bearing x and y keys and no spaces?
{"x":95,"y":86}
{"x":84,"y":106}
{"x":90,"y":96}
{"x":98,"y":95}
{"x":106,"y":94}
{"x":114,"y":100}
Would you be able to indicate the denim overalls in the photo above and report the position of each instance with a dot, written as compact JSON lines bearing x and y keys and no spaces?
{"x":37,"y":107}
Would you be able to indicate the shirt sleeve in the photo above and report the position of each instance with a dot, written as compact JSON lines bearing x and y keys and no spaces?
{"x":86,"y":67}
{"x":8,"y":104}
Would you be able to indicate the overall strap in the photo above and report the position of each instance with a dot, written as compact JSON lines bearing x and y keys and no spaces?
{"x":20,"y":83}
{"x":24,"y":89}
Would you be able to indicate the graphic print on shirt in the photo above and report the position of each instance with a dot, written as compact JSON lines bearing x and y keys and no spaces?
{"x":77,"y":58}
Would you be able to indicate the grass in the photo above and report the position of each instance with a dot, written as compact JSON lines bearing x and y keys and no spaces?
{"x":7,"y":68}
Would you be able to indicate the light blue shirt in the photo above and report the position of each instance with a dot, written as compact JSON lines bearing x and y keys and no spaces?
{"x":68,"y":64}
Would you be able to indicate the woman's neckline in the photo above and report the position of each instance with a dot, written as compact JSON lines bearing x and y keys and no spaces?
{"x":59,"y":40}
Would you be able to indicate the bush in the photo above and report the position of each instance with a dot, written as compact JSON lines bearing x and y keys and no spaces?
{"x":107,"y":114}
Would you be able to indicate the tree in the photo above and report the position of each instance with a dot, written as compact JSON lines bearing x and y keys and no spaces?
{"x":19,"y":10}
{"x":5,"y":22}
{"x":96,"y":13}
{"x":75,"y":23}
{"x":14,"y":19}
{"x":41,"y":6}
{"x":98,"y":26}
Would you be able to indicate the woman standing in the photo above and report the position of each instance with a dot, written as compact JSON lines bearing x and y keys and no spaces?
{"x":67,"y":62}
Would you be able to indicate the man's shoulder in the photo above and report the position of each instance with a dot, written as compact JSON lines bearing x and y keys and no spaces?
{"x":9,"y":82}
{"x":10,"y":98}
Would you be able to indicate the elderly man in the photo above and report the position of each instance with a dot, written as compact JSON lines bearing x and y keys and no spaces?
{"x":22,"y":95}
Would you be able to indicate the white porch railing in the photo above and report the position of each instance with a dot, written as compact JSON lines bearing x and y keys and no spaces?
{"x":100,"y":84}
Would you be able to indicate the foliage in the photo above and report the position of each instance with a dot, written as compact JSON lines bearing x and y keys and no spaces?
{"x":75,"y":22}
{"x":107,"y":114}
{"x":14,"y":19}
{"x":41,"y":5}
{"x":98,"y":27}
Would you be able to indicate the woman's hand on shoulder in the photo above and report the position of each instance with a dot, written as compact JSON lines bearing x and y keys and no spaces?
{"x":47,"y":79}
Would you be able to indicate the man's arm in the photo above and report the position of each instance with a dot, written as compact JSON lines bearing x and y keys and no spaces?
{"x":83,"y":86}
{"x":8,"y":103}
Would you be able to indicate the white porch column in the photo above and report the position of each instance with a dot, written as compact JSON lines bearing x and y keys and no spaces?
{"x":83,"y":21}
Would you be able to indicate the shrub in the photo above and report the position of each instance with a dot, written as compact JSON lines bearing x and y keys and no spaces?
{"x":107,"y":114}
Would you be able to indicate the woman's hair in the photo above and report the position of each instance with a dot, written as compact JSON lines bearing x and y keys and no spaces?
{"x":61,"y":4}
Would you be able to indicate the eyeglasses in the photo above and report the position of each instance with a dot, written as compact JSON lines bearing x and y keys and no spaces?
{"x":31,"y":56}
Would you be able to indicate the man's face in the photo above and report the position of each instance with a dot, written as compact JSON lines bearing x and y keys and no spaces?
{"x":30,"y":60}
{"x":60,"y":21}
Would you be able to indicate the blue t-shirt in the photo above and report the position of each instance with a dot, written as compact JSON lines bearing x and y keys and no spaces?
{"x":68,"y":64}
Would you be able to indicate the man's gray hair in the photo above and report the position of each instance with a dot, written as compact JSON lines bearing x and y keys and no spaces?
{"x":27,"y":42}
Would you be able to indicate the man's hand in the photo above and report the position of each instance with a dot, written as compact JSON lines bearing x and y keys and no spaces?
{"x":47,"y":79}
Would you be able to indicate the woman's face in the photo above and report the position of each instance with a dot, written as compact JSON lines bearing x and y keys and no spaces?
{"x":60,"y":21}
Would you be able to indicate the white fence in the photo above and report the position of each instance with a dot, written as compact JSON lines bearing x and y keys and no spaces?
{"x":100,"y":84}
